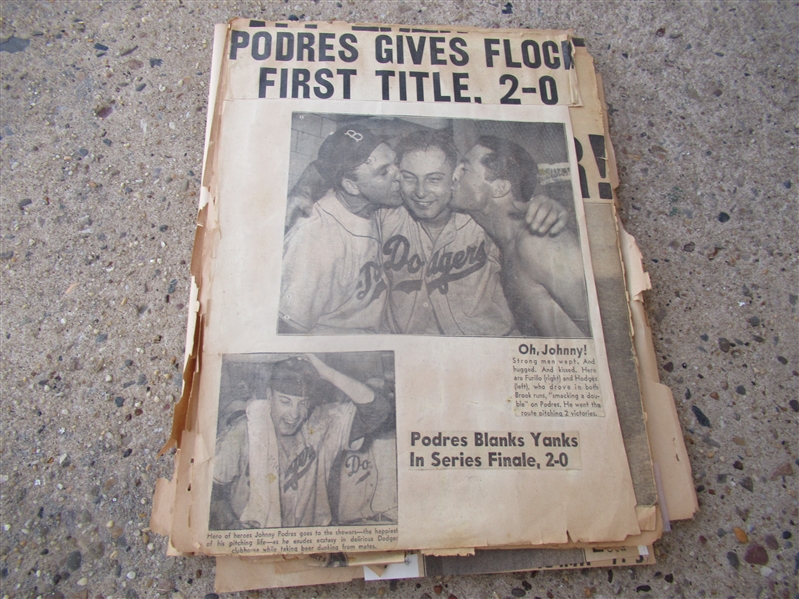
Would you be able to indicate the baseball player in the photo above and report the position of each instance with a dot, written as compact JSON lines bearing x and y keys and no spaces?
{"x":332,"y":281}
{"x":276,"y":462}
{"x":542,"y":276}
{"x":444,"y":272}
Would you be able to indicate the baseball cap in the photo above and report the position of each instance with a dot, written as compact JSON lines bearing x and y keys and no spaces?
{"x":294,"y":377}
{"x":345,"y":149}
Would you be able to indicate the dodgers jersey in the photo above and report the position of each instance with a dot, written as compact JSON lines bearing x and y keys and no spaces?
{"x":447,"y":286}
{"x":304,"y":483}
{"x":331,"y":281}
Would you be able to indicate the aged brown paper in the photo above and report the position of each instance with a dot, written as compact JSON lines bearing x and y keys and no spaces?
{"x":240,"y":573}
{"x":454,"y":387}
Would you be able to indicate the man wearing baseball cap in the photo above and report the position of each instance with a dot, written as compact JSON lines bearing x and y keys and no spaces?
{"x":273,"y":465}
{"x":332,"y":281}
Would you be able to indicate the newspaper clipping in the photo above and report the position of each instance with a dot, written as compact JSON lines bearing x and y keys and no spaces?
{"x":397,"y":313}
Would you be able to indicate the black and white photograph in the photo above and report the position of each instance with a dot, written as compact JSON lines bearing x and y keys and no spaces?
{"x":305,"y":440}
{"x":431,"y":226}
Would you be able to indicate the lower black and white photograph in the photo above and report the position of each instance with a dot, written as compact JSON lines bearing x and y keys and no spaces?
{"x":431,"y":226}
{"x":305,"y":440}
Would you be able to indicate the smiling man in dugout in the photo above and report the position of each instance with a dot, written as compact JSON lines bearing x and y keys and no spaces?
{"x":272,"y":468}
{"x":332,"y":281}
{"x":542,"y":276}
{"x":443,"y":272}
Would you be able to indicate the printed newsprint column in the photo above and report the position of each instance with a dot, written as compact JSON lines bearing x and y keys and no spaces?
{"x":400,"y":343}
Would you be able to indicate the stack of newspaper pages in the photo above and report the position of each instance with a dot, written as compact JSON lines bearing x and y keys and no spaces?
{"x":416,"y":340}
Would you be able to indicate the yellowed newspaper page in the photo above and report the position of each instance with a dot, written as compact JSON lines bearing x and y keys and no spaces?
{"x":660,"y":428}
{"x":389,"y":352}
